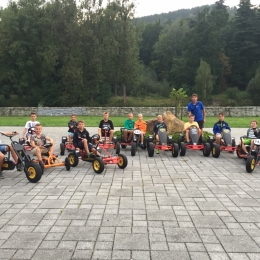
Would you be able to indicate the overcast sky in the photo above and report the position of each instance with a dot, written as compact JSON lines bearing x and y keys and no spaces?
{"x":147,"y":7}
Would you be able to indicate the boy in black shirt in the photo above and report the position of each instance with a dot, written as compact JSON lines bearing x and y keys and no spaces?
{"x":81,"y":139}
{"x":72,"y":124}
{"x":107,"y":124}
{"x":157,"y":125}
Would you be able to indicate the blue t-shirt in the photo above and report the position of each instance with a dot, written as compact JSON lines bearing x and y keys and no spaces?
{"x":196,"y":110}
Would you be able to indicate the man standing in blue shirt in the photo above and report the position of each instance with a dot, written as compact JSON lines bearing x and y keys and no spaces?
{"x":197,"y":109}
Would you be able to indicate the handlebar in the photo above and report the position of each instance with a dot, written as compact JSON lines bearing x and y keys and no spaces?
{"x":14,"y":133}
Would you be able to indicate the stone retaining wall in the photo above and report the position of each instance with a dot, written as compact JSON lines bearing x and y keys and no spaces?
{"x":122,"y":111}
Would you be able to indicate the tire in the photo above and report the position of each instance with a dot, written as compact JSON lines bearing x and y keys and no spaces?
{"x":206,"y":150}
{"x":239,"y":151}
{"x":73,"y":160}
{"x":215,"y":150}
{"x":182,"y":149}
{"x":175,"y":150}
{"x":233,"y":142}
{"x":67,"y":164}
{"x":122,"y":161}
{"x":62,"y":149}
{"x":250,"y":163}
{"x":180,"y":140}
{"x":98,"y":165}
{"x":150,"y":149}
{"x":117,"y":147}
{"x":123,"y":146}
{"x":133,"y":148}
{"x":34,"y":172}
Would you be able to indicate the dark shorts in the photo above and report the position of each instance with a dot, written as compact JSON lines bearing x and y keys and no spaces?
{"x":201,"y":124}
{"x":80,"y":145}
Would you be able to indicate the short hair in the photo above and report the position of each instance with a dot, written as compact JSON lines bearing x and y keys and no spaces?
{"x":191,"y":115}
{"x":159,"y":116}
{"x":33,"y":113}
{"x":254,"y":121}
{"x":73,"y":114}
{"x":105,"y":113}
{"x":130,"y":113}
{"x":221,"y":114}
{"x":140,"y":115}
{"x":194,"y":95}
{"x":80,"y":121}
{"x":38,"y":124}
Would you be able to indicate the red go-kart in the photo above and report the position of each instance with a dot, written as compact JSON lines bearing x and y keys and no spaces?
{"x":105,"y":144}
{"x":65,"y":145}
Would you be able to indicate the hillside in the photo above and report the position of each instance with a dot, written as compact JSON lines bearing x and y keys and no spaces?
{"x":177,"y":15}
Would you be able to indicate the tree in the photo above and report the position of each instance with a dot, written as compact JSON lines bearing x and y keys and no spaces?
{"x":204,"y":80}
{"x":178,"y":96}
{"x":253,"y":88}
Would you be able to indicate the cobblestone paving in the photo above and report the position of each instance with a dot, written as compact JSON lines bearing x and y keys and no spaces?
{"x":157,"y":208}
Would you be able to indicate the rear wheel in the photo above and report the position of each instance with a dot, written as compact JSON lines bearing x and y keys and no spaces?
{"x":150,"y":149}
{"x":250,"y":163}
{"x":73,"y":160}
{"x":206,"y":150}
{"x":182,"y":149}
{"x":175,"y":150}
{"x":122,"y":163}
{"x":233,"y":142}
{"x":98,"y":165}
{"x":133,"y":148}
{"x":215,"y":150}
{"x":62,"y":149}
{"x":239,"y":151}
{"x":117,"y":147}
{"x":33,"y":171}
{"x":67,"y":164}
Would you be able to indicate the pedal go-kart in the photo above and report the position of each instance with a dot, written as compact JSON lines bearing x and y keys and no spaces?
{"x":65,"y":145}
{"x":105,"y":144}
{"x":98,"y":163}
{"x":227,"y":144}
{"x":240,"y":152}
{"x":25,"y":143}
{"x":195,"y":144}
{"x":135,"y":142}
{"x":52,"y":160}
{"x":165,"y":144}
{"x":32,"y":170}
{"x":253,"y":158}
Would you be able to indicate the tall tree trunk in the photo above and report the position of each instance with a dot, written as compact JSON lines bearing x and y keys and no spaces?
{"x":115,"y":93}
{"x":124,"y":87}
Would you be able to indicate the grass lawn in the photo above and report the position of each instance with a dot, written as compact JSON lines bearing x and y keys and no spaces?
{"x":235,"y":122}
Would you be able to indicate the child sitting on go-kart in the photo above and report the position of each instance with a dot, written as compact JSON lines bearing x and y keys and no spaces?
{"x":38,"y":140}
{"x":141,"y":125}
{"x":219,"y":127}
{"x":72,"y":124}
{"x":190,"y":124}
{"x":159,"y":124}
{"x":129,"y":128}
{"x":251,"y":134}
{"x":4,"y":149}
{"x":81,"y":139}
{"x":106,"y":123}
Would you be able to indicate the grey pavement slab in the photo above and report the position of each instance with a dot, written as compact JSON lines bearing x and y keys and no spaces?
{"x":159,"y":207}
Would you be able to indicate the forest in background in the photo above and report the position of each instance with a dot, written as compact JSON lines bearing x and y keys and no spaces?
{"x":60,"y":53}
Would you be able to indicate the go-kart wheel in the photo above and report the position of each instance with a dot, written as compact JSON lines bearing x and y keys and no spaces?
{"x":180,"y":140}
{"x":73,"y":159}
{"x":98,"y":165}
{"x":206,"y":150}
{"x":175,"y":150}
{"x":64,"y":139}
{"x":250,"y":163}
{"x":150,"y":149}
{"x":233,"y":142}
{"x":123,"y":146}
{"x":133,"y":148}
{"x":117,"y":147}
{"x":239,"y":151}
{"x":182,"y":149}
{"x":33,"y":171}
{"x":215,"y":150}
{"x":67,"y":164}
{"x":122,"y":163}
{"x":62,"y":149}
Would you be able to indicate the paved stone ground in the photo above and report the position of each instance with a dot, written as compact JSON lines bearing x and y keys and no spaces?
{"x":157,"y":208}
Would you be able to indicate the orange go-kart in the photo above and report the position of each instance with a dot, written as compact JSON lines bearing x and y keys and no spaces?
{"x":98,"y":163}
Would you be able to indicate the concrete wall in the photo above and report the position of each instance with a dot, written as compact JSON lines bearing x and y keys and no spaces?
{"x":122,"y":111}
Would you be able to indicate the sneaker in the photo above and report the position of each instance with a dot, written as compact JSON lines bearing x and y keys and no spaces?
{"x":100,"y":141}
{"x":141,"y":145}
{"x":157,"y":151}
{"x":19,"y":167}
{"x":28,"y":143}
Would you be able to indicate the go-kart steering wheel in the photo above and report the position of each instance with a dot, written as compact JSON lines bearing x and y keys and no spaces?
{"x":95,"y":137}
{"x":48,"y":145}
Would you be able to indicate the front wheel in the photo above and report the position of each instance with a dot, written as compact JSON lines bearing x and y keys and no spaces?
{"x":67,"y":164}
{"x":33,"y":171}
{"x":117,"y":147}
{"x":182,"y":149}
{"x":206,"y":150}
{"x":250,"y":163}
{"x":98,"y":165}
{"x":239,"y":151}
{"x":133,"y":148}
{"x":122,"y":163}
{"x":150,"y":149}
{"x":62,"y":149}
{"x":215,"y":150}
{"x":175,"y":150}
{"x":73,"y":160}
